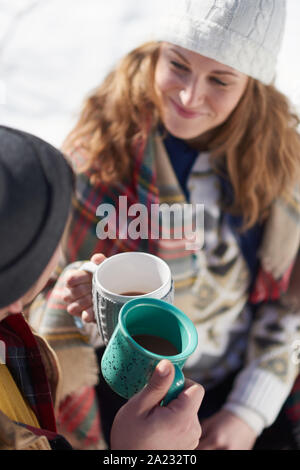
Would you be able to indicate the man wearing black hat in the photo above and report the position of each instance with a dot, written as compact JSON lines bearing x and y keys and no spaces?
{"x":36,"y":186}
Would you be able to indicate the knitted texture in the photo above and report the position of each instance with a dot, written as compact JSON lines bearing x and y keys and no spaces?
{"x":243,"y":34}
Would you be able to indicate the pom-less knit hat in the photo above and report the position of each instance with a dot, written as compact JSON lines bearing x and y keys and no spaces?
{"x":243,"y":34}
{"x":36,"y":186}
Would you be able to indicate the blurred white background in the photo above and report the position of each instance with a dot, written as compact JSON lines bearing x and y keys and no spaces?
{"x":53,"y":52}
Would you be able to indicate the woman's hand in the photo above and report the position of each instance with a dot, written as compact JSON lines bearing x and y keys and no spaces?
{"x":78,"y":291}
{"x":225,"y":431}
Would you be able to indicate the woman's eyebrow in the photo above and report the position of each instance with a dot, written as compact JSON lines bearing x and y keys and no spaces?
{"x":180,"y":55}
{"x":224,"y":72}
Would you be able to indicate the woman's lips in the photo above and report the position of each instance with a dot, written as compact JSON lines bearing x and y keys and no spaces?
{"x":184,"y":112}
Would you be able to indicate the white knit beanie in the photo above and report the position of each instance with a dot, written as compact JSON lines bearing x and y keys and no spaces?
{"x":243,"y":34}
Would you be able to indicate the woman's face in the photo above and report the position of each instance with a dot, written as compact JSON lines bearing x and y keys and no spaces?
{"x":196,"y":93}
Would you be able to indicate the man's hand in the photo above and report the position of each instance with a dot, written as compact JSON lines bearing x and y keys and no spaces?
{"x":143,"y":424}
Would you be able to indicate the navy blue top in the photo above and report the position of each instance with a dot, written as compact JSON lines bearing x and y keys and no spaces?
{"x":182,"y":157}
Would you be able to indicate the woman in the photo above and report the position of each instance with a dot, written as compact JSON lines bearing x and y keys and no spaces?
{"x":195,"y":118}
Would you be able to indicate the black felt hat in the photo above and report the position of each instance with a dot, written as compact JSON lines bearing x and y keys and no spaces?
{"x":36,"y":185}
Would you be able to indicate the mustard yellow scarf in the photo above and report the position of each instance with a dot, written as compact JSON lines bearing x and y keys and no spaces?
{"x":12,"y":403}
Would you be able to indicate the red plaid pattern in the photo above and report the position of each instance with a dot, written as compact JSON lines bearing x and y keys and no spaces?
{"x":268,"y":288}
{"x":24,"y":362}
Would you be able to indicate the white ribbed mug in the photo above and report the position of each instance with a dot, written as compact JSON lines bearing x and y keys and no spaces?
{"x":123,"y":273}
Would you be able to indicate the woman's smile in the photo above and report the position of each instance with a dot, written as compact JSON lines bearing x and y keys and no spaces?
{"x":185,"y":112}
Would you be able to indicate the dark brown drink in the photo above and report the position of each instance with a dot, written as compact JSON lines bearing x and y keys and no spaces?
{"x":156,"y":345}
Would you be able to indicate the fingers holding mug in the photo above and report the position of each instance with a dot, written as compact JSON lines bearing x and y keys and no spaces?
{"x":78,"y":290}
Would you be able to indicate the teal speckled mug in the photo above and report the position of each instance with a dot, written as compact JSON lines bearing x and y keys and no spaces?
{"x":148,"y":331}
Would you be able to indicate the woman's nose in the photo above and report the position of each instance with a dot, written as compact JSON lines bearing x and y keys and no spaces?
{"x":193,"y":94}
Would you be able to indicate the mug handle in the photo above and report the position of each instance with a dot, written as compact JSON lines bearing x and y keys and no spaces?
{"x":90,"y":267}
{"x":176,"y":387}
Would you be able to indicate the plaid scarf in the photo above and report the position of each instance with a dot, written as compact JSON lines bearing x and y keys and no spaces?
{"x":24,"y":362}
{"x":277,"y":252}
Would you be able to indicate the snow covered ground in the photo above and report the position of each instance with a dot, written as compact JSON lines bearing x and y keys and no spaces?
{"x":53,"y":52}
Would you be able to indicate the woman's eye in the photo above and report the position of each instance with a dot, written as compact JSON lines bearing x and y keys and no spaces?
{"x":218,"y":81}
{"x":179,"y":66}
